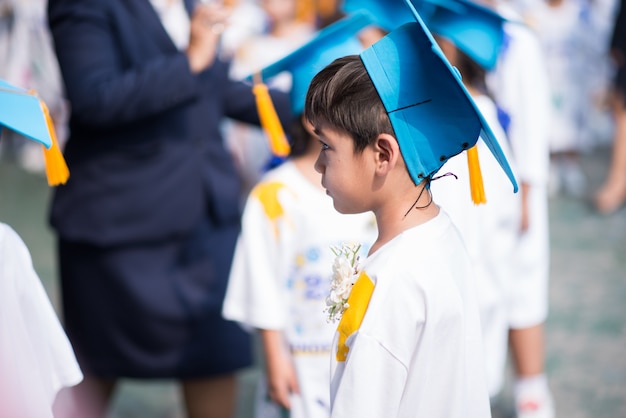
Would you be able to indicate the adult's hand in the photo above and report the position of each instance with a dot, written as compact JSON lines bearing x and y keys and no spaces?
{"x":208,"y":21}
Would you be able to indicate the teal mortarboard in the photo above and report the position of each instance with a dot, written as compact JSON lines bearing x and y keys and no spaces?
{"x":474,"y":29}
{"x":431,"y":111}
{"x":21,"y":111}
{"x":24,"y":112}
{"x":386,"y":14}
{"x":334,"y":41}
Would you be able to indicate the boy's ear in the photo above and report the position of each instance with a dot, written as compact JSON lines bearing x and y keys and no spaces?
{"x":387,"y":153}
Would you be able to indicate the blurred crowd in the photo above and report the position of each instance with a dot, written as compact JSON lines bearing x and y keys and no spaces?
{"x":575,"y":36}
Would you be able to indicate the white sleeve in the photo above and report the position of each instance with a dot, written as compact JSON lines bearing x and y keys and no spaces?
{"x":255,"y":296}
{"x":36,"y":357}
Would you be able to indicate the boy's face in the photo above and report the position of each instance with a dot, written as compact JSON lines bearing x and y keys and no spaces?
{"x":345,"y":174}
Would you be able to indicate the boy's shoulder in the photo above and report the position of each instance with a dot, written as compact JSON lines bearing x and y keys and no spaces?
{"x":428,"y":241}
{"x":422,"y":268}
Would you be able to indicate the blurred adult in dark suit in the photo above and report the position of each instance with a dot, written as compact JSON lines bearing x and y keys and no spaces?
{"x":147,"y":222}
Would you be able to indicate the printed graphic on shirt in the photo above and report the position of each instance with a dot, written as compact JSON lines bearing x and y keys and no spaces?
{"x":308,"y":285}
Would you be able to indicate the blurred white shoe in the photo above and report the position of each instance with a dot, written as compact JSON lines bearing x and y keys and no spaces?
{"x":533,"y":398}
{"x":535,"y":407}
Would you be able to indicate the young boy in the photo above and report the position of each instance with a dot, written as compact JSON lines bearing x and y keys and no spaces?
{"x":409,"y":340}
{"x":279,"y":276}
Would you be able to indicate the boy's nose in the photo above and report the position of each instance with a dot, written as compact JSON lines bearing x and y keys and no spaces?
{"x":319,"y":167}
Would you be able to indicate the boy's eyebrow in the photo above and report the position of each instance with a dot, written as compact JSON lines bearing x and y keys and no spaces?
{"x":318,"y":131}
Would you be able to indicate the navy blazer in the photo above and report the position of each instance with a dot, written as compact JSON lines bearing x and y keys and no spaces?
{"x":145,"y":152}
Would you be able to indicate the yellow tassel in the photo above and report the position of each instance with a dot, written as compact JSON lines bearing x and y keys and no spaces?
{"x":475,"y":176}
{"x":269,"y":119}
{"x":56,"y":167}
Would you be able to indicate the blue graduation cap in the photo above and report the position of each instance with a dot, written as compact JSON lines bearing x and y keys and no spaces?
{"x":334,"y":41}
{"x":431,"y":111}
{"x":474,"y":29}
{"x":21,"y":111}
{"x":386,"y":14}
{"x":25,"y":113}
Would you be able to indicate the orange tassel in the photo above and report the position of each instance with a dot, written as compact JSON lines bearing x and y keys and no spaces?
{"x":475,"y":176}
{"x":56,"y":167}
{"x":269,"y":119}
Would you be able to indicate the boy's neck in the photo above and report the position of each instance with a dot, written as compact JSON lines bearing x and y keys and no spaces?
{"x":397,"y":216}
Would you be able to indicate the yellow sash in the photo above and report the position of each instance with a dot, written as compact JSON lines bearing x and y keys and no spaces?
{"x":353,"y":316}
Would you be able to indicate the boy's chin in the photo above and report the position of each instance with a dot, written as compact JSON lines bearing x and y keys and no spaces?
{"x":346,"y":210}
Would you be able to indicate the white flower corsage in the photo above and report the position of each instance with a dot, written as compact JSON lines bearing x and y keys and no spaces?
{"x":345,"y":273}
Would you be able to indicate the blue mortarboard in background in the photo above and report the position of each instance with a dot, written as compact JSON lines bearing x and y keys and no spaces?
{"x":387,"y":14}
{"x":474,"y":29}
{"x":332,"y":42}
{"x":431,"y":111}
{"x":21,"y":112}
{"x":25,"y":113}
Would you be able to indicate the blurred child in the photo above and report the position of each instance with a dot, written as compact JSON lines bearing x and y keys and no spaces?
{"x":36,"y":358}
{"x":521,"y":89}
{"x":280,"y":273}
{"x":289,"y":24}
{"x":408,"y":343}
{"x":471,"y":40}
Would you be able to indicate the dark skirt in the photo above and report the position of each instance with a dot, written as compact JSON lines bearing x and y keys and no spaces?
{"x":153,"y":310}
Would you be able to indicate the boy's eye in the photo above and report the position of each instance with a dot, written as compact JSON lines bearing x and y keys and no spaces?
{"x":324,"y":146}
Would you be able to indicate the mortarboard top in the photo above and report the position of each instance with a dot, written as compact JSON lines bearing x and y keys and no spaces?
{"x":431,"y":111}
{"x":25,"y":113}
{"x":21,"y":112}
{"x":386,"y":14}
{"x":332,"y":42}
{"x":474,"y":29}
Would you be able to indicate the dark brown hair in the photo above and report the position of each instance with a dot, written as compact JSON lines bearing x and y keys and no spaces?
{"x":342,"y":97}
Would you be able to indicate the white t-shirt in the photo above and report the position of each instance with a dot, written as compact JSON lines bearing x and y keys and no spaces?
{"x":36,"y":358}
{"x":418,"y":350}
{"x":281,"y":274}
